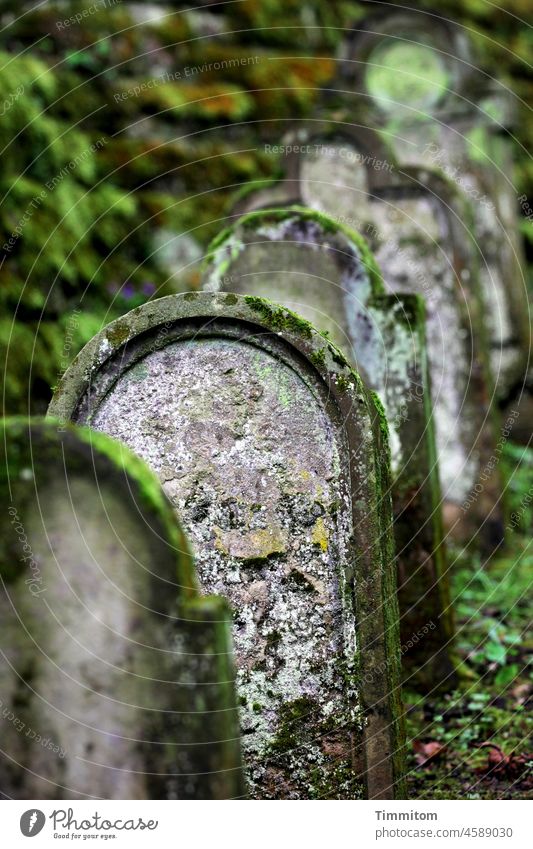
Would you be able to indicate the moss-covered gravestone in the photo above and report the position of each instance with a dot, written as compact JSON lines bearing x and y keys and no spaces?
{"x":116,"y":676}
{"x":276,"y":459}
{"x":416,"y":78}
{"x":311,"y":264}
{"x":417,"y":225}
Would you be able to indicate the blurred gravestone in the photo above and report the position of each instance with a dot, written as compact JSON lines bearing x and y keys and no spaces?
{"x":311,"y":264}
{"x":417,"y":227}
{"x":439,"y":109}
{"x":116,"y":678}
{"x":272,"y":453}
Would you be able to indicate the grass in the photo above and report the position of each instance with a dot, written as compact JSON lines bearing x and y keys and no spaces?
{"x":475,"y":742}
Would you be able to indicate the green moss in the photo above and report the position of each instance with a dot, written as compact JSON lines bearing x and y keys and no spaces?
{"x":326,"y":786}
{"x":411,"y":311}
{"x":182,"y":100}
{"x":290,"y":717}
{"x":381,"y":418}
{"x":295,"y":324}
{"x":118,"y":332}
{"x":338,"y":356}
{"x":343,"y":383}
{"x":301,"y":724}
{"x":276,"y":215}
{"x":37,"y":444}
{"x":273,"y":639}
{"x":318,"y":358}
{"x":249,"y":189}
{"x":386,"y":566}
{"x":349,"y":669}
{"x":279,"y":318}
{"x":298,"y":580}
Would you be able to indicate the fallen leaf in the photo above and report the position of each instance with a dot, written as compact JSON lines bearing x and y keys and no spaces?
{"x":426,"y":752}
{"x":503,"y":766}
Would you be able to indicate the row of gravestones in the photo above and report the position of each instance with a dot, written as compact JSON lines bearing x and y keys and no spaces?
{"x":274,"y":456}
{"x":406,"y":125}
{"x":440,"y":132}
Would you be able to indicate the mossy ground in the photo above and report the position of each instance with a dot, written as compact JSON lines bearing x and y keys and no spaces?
{"x":494,"y":703}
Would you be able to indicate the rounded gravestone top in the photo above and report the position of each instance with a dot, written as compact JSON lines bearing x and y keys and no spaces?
{"x":155,"y":324}
{"x":95,"y":571}
{"x":405,"y":73}
{"x":39,"y":452}
{"x":412,"y":64}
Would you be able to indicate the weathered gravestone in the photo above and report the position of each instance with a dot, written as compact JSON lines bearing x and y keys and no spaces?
{"x":116,"y":676}
{"x":325,"y":272}
{"x":273,"y":454}
{"x":415,"y":78}
{"x":414,"y":222}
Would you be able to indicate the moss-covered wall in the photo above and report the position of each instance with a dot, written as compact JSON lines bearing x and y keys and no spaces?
{"x":120,"y":135}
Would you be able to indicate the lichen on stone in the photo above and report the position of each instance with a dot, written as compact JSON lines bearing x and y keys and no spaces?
{"x":251,"y":464}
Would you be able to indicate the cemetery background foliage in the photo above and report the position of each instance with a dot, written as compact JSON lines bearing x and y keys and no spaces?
{"x":132,"y":135}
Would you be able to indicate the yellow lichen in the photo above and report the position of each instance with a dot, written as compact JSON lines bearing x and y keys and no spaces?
{"x":320,"y":534}
{"x":252,"y":545}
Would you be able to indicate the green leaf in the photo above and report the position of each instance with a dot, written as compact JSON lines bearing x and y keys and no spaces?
{"x":495,"y":652}
{"x":506,"y":675}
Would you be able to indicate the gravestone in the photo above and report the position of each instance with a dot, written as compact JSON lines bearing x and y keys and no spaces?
{"x":116,"y":676}
{"x":325,"y":272}
{"x":416,"y":79}
{"x":274,"y":456}
{"x":417,"y":226}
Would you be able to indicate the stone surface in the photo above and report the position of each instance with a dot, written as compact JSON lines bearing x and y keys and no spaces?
{"x":310,"y":263}
{"x":112,"y":664}
{"x":266,"y":444}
